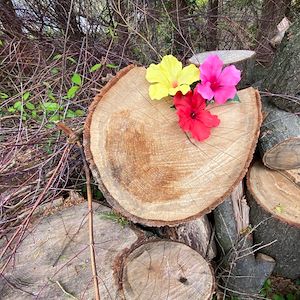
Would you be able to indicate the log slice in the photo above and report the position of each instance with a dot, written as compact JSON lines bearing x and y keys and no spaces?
{"x":146,"y":166}
{"x":166,"y":270}
{"x":275,"y":210}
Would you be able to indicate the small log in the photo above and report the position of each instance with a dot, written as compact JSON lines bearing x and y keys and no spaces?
{"x":279,"y":141}
{"x":275,"y":212}
{"x":165,"y":270}
{"x":146,"y":166}
{"x":283,"y":78}
{"x":197,"y":234}
{"x":54,"y":259}
{"x":244,"y":273}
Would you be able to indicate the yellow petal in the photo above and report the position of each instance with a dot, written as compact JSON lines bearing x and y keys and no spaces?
{"x":171,"y":67}
{"x":154,"y":74}
{"x":158,"y":91}
{"x":189,"y":75}
{"x":182,"y":88}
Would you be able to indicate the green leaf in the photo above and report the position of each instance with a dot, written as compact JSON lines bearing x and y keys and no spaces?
{"x":1,"y":43}
{"x":290,"y":297}
{"x":79,"y":113}
{"x":54,"y":71}
{"x":71,"y":59}
{"x":72,"y":91}
{"x":70,"y":114}
{"x":34,"y":114}
{"x":25,"y":96}
{"x":95,"y":67}
{"x":277,"y":297}
{"x":3,"y":95}
{"x":51,"y":96}
{"x":30,"y":105}
{"x":57,"y":57}
{"x":18,"y":105}
{"x":76,"y":78}
{"x":51,"y":106}
{"x":112,"y":66}
{"x":11,"y":109}
{"x":278,"y":208}
{"x":54,"y":118}
{"x":235,"y":99}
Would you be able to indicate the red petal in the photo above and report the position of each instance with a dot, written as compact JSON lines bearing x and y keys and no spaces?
{"x":198,"y":102}
{"x":208,"y":119}
{"x":199,"y":131}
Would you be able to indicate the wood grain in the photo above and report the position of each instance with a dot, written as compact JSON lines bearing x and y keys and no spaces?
{"x":166,"y":270}
{"x":146,"y":166}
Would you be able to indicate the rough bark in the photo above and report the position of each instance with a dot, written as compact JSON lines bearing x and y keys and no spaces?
{"x":272,"y":14}
{"x":242,"y":270}
{"x":279,"y":141}
{"x":212,"y":25}
{"x":197,"y":234}
{"x":165,"y":270}
{"x":284,"y":75}
{"x":275,"y":214}
{"x":9,"y":19}
{"x":55,"y":256}
{"x":146,"y":166}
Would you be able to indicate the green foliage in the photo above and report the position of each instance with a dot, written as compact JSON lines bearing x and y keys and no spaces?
{"x":110,"y":215}
{"x":3,"y":95}
{"x":76,"y":79}
{"x":72,"y":92}
{"x":95,"y":67}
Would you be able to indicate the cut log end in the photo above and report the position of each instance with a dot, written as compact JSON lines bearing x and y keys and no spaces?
{"x":166,"y":270}
{"x":227,"y":56}
{"x":276,"y":193}
{"x":146,"y":166}
{"x":284,"y":156}
{"x":275,"y":213}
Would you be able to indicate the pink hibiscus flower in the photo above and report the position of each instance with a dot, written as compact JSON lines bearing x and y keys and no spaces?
{"x":216,"y":83}
{"x":193,"y":116}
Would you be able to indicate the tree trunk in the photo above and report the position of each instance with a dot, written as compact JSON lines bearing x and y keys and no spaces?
{"x":165,"y":270}
{"x":272,"y":13}
{"x":284,"y":75}
{"x":275,"y":214}
{"x":212,"y":25}
{"x":55,"y":258}
{"x":242,"y":271}
{"x":146,"y":166}
{"x":197,"y":234}
{"x":279,"y":141}
{"x":9,"y":19}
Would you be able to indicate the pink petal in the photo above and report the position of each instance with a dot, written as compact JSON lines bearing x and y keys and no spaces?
{"x":199,"y":131}
{"x":230,"y":76}
{"x":222,"y":94}
{"x":204,"y":90}
{"x":211,"y":68}
{"x":208,"y":119}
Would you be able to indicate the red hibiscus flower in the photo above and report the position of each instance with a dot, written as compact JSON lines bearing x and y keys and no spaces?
{"x":193,"y":116}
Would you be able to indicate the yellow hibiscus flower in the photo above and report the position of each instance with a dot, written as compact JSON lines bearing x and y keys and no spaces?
{"x":168,"y":77}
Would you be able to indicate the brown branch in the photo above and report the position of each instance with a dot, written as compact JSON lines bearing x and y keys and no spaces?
{"x":74,"y":138}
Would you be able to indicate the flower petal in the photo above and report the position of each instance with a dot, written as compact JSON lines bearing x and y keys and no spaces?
{"x":181,"y":88}
{"x":208,"y":119}
{"x":205,"y":91}
{"x":222,"y":94}
{"x":211,"y":68}
{"x":230,"y":76}
{"x":198,"y":102}
{"x":199,"y":131}
{"x":154,"y":74}
{"x":182,"y":100}
{"x":158,"y":91}
{"x":189,"y":75}
{"x":171,"y":67}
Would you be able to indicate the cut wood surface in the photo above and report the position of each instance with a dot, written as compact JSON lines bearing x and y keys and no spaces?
{"x":279,"y":141}
{"x":54,"y":259}
{"x":275,"y":205}
{"x":227,"y":56}
{"x":146,"y":166}
{"x":166,"y":270}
